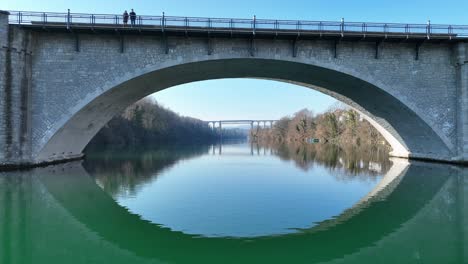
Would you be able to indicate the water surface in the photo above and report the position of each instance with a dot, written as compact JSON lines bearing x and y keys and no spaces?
{"x":235,"y":203}
{"x":241,"y":192}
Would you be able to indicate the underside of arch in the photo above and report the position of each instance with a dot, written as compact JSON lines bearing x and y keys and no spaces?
{"x":409,"y":135}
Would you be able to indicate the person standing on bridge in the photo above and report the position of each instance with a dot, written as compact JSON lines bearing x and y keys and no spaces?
{"x":132,"y":17}
{"x":125,"y":18}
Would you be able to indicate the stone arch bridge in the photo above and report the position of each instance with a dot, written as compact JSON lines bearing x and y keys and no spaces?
{"x":63,"y":76}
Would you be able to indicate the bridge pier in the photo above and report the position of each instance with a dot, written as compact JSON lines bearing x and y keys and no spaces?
{"x":220,"y":130}
{"x":15,"y":94}
{"x":461,"y":64}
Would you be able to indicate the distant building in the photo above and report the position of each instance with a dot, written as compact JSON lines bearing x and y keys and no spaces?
{"x":343,"y":115}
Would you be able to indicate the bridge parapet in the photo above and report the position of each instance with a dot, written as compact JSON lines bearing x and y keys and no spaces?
{"x":253,"y":27}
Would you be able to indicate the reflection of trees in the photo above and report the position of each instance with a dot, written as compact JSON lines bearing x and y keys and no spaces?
{"x":360,"y":161}
{"x":125,"y":171}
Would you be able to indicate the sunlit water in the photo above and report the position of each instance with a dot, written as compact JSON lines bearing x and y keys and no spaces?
{"x":235,"y":203}
{"x":242,"y":194}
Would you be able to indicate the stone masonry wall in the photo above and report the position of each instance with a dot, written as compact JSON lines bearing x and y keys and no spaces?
{"x":15,"y":90}
{"x":3,"y":72}
{"x":461,"y":62}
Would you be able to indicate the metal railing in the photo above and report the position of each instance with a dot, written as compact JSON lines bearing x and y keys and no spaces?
{"x":254,"y":25}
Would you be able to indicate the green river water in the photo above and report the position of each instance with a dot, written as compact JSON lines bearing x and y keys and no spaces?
{"x":235,"y":203}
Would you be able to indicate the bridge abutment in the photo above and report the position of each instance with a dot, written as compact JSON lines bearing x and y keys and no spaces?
{"x":15,"y":94}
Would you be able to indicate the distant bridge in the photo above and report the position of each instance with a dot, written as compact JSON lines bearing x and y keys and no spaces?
{"x":240,"y":122}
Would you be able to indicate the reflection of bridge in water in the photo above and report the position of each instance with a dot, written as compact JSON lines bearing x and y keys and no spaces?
{"x":66,"y":199}
{"x":255,"y":149}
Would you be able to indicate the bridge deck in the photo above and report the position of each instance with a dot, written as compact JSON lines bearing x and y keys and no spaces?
{"x":248,"y":28}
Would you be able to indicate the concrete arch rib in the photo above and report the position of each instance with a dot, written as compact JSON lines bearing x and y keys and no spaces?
{"x":407,"y":132}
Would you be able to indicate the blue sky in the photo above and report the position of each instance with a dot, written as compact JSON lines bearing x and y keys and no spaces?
{"x":257,"y":99}
{"x":241,"y":99}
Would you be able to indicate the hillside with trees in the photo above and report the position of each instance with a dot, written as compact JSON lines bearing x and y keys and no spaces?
{"x":147,"y":123}
{"x":338,"y":126}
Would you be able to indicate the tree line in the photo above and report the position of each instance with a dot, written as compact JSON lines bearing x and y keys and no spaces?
{"x":147,"y":123}
{"x":337,"y":126}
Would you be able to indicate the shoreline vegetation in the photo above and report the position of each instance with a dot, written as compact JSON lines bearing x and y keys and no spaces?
{"x":342,"y":127}
{"x":338,"y":138}
{"x":147,"y":123}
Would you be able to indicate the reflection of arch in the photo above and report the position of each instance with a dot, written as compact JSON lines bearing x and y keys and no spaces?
{"x":384,"y":188}
{"x":77,"y":193}
{"x":406,"y":131}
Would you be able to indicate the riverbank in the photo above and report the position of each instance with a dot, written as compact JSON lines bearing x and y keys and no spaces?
{"x":338,"y":126}
{"x":148,"y":123}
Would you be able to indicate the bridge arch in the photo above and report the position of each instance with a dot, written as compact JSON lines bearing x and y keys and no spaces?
{"x":408,"y":133}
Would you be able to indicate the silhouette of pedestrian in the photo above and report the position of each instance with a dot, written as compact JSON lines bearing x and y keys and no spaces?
{"x":125,"y":18}
{"x":132,"y":17}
